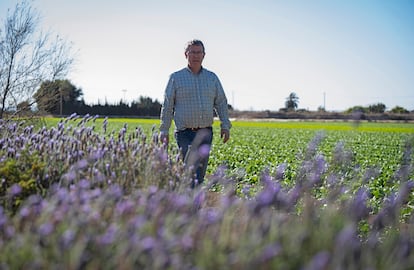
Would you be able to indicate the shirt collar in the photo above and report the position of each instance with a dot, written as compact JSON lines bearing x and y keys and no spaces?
{"x":189,"y":70}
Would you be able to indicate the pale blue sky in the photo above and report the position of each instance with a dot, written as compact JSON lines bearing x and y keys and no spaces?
{"x":357,"y":52}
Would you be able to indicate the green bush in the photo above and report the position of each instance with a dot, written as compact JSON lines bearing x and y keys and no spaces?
{"x":20,"y":179}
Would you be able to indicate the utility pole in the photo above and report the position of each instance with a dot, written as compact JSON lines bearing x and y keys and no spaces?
{"x":232,"y":100}
{"x":324,"y":101}
{"x":124,"y":90}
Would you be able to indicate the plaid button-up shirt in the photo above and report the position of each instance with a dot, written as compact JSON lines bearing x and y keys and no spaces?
{"x":191,"y":100}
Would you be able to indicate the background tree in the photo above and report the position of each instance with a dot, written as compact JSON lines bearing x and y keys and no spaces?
{"x":321,"y":109}
{"x":358,"y":108}
{"x":58,"y":97}
{"x":146,"y":106}
{"x":292,"y":102}
{"x":399,"y":109}
{"x":377,"y":108}
{"x":28,"y":57}
{"x":24,"y":108}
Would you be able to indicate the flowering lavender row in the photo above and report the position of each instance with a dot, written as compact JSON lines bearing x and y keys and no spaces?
{"x":73,"y":151}
{"x":119,"y":201}
{"x":93,"y":228}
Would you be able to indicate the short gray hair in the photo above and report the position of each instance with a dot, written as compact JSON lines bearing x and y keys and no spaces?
{"x":193,"y":42}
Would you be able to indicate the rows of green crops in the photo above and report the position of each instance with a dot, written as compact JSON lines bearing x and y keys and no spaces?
{"x":368,"y":152}
{"x":256,"y":145}
{"x":371,"y":151}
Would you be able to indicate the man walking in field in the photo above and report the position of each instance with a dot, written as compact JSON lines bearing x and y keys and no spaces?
{"x":191,"y":97}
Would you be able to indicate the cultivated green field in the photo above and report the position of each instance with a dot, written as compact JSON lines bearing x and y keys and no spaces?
{"x":373,"y":150}
{"x":369,"y":153}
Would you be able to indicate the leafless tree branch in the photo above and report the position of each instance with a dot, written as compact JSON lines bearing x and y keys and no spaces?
{"x":28,"y":57}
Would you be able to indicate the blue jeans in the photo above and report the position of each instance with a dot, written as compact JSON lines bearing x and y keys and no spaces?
{"x":195,"y":150}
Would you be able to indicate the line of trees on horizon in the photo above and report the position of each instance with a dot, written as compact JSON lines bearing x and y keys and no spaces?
{"x":292,"y":104}
{"x":61,"y":97}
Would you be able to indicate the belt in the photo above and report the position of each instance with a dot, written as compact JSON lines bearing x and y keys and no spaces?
{"x":198,"y":128}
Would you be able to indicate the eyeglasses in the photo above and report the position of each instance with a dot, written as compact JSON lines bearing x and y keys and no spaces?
{"x":195,"y":52}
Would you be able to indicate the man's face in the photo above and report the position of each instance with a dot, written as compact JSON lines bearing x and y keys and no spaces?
{"x":195,"y":55}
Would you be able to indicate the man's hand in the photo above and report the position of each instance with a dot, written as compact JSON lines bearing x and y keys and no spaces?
{"x":225,"y":135}
{"x":164,"y":138}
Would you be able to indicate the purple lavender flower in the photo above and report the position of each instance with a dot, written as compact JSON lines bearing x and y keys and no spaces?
{"x":24,"y":212}
{"x":10,"y":232}
{"x":137,"y":222}
{"x":313,"y":144}
{"x":105,"y":124}
{"x":246,"y":189}
{"x":265,"y":197}
{"x":67,"y":238}
{"x":319,"y":261}
{"x":293,"y":196}
{"x":332,"y":180}
{"x":163,"y":155}
{"x":11,"y":152}
{"x":269,"y":194}
{"x":318,"y":169}
{"x":187,"y":242}
{"x":347,"y":240}
{"x":270,"y":251}
{"x":46,"y":229}
{"x":371,"y":174}
{"x":404,"y":192}
{"x":109,"y":236}
{"x":340,"y":156}
{"x":95,"y":193}
{"x":148,"y":243}
{"x":3,"y":217}
{"x":280,"y":171}
{"x":70,"y":176}
{"x":15,"y":190}
{"x":72,"y":116}
{"x":199,"y":199}
{"x":115,"y":191}
{"x":124,"y":207}
{"x":358,"y":208}
{"x":204,"y":151}
{"x":122,"y":133}
{"x":210,"y":215}
{"x":61,"y":125}
{"x":81,"y":164}
{"x":84,"y":184}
